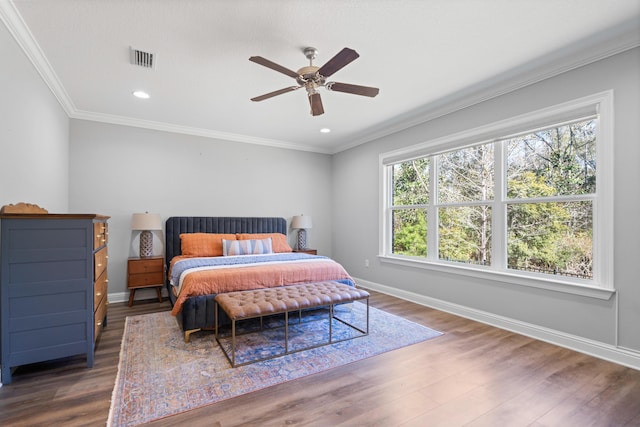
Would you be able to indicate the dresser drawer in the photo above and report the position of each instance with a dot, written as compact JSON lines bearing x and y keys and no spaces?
{"x":100,"y":234}
{"x":100,"y":318}
{"x":100,"y":289}
{"x":100,"y":262}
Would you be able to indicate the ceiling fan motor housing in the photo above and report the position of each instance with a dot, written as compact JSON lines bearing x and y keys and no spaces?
{"x":308,"y":73}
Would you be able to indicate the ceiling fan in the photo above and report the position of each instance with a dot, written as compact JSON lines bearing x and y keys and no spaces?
{"x":311,"y":78}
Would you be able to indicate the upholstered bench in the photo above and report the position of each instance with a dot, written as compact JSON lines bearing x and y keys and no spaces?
{"x":244,"y":305}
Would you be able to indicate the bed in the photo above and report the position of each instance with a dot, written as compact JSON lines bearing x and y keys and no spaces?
{"x":196,"y":276}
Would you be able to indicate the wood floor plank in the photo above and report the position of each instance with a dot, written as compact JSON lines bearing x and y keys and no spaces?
{"x":474,"y":375}
{"x":609,"y":398}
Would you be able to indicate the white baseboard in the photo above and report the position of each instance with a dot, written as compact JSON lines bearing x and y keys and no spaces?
{"x":597,"y":349}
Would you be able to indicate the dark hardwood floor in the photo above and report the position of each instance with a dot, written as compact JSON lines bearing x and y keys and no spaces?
{"x":474,"y":375}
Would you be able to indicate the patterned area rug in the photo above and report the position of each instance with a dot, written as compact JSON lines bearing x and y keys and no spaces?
{"x":160,"y":375}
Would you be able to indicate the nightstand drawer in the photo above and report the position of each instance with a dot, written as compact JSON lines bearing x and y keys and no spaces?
{"x":152,"y":265}
{"x":146,"y":279}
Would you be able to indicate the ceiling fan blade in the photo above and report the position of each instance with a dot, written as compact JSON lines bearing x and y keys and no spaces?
{"x":316,"y":104}
{"x":275,"y":93}
{"x":354,"y":89}
{"x":342,"y":58}
{"x":269,"y":64}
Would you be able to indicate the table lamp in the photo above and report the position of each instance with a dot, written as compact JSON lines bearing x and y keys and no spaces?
{"x":302,"y":223}
{"x":146,"y":222}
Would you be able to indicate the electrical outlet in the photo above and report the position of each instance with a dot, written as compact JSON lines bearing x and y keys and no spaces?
{"x":366,"y":263}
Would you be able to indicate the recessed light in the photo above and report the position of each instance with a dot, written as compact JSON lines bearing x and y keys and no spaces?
{"x":140,"y":94}
{"x":325,"y":130}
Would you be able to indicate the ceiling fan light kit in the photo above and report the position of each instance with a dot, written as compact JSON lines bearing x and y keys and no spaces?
{"x":311,"y":78}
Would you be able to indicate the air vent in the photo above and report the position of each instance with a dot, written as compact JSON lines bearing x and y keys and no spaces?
{"x":142,"y":58}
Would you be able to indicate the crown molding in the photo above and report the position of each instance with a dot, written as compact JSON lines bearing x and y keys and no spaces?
{"x":21,"y":33}
{"x":187,"y":130}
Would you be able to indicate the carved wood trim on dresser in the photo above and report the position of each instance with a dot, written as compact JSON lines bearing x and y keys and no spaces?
{"x":53,"y":287}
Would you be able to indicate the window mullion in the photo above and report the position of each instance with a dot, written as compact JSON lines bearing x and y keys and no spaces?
{"x":432,"y":211}
{"x":499,"y":208}
{"x":386,"y":240}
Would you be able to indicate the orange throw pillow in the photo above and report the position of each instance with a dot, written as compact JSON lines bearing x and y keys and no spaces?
{"x":203,"y":244}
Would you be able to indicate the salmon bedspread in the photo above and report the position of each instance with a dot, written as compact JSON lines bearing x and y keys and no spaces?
{"x":204,"y":276}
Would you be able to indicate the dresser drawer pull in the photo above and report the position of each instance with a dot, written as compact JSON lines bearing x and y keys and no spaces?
{"x":99,"y":323}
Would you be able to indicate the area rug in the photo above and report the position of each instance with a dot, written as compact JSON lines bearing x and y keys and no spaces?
{"x":160,"y":375}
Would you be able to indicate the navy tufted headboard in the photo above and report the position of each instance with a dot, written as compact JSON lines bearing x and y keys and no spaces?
{"x":216,"y":224}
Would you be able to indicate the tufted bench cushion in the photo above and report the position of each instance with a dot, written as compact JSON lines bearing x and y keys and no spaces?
{"x":261,"y":302}
{"x":242,"y":305}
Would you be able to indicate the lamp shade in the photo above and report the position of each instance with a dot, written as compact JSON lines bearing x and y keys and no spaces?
{"x":146,"y":221}
{"x":303,"y":222}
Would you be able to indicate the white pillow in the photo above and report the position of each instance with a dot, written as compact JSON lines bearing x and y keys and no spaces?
{"x":246,"y":247}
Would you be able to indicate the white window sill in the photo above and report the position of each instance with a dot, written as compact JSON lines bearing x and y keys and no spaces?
{"x":532,"y":280}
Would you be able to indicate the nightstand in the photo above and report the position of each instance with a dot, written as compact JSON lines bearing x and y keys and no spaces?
{"x":145,"y":273}
{"x":307,"y":251}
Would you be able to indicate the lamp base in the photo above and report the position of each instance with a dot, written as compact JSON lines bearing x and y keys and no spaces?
{"x":302,"y":239}
{"x":146,"y":244}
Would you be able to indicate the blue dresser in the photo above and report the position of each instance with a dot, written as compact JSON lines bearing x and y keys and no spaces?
{"x":53,"y":287}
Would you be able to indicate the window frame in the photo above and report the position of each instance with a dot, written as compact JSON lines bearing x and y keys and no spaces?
{"x":601,"y":286}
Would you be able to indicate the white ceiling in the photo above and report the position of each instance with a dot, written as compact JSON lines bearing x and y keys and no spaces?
{"x":427,"y":57}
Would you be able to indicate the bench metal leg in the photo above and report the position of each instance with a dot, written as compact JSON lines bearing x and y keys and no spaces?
{"x":286,"y":332}
{"x":362,"y":331}
{"x":330,"y":323}
{"x":233,"y":343}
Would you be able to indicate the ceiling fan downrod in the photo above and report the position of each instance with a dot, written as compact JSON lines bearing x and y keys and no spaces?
{"x":311,"y":53}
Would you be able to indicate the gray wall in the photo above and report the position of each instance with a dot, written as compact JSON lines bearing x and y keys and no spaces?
{"x":612,"y":322}
{"x":118,"y":170}
{"x":34,"y":134}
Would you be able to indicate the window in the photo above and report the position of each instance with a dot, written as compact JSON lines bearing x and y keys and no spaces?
{"x":465,"y":192}
{"x":528,"y":198}
{"x":551,"y":181}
